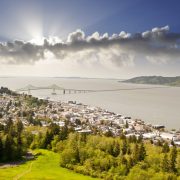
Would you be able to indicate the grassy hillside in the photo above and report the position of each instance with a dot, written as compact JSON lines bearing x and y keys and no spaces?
{"x":172,"y":81}
{"x":46,"y":166}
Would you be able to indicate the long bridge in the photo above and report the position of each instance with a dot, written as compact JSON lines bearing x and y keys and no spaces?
{"x":55,"y":87}
{"x":52,"y":87}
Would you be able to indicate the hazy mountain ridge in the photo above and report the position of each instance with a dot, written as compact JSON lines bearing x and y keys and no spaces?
{"x":160,"y":80}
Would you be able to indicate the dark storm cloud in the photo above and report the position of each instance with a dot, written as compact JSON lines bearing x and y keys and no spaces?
{"x":20,"y":52}
{"x":157,"y":45}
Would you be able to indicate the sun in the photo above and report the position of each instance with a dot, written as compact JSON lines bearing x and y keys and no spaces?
{"x":37,"y":41}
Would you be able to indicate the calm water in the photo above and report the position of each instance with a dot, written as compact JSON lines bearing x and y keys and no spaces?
{"x":156,"y":105}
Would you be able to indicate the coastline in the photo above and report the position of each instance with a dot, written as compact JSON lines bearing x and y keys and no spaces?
{"x":81,"y":117}
{"x":136,"y":127}
{"x":152,"y":105}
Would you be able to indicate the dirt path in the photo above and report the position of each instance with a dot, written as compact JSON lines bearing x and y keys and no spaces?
{"x":25,"y":172}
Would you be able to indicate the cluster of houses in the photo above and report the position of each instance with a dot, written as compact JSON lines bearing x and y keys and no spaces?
{"x":86,"y":119}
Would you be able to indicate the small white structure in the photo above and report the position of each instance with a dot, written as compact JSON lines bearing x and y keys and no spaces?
{"x":177,"y":143}
{"x":60,"y":123}
{"x":150,"y":135}
{"x":133,"y":134}
{"x":86,"y":131}
{"x":168,"y":136}
{"x":78,"y":128}
{"x":158,"y":126}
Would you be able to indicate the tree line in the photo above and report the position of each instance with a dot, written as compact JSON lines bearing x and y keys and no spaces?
{"x":94,"y":155}
{"x":12,"y":143}
{"x":118,"y":158}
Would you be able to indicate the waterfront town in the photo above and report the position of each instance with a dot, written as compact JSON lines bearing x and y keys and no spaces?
{"x":79,"y":117}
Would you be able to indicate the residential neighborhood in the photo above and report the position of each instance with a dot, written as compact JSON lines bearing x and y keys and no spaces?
{"x":81,"y":118}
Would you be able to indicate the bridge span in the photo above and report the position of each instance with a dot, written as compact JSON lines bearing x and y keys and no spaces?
{"x":55,"y":88}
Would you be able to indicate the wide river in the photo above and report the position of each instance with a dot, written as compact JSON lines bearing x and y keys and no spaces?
{"x":153,"y":104}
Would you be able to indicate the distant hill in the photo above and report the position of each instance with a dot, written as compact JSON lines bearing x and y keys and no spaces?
{"x":171,"y":81}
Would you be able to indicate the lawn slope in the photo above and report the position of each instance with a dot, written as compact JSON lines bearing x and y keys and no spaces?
{"x":45,"y":167}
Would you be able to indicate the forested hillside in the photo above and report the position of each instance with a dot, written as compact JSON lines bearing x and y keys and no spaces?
{"x":172,"y":81}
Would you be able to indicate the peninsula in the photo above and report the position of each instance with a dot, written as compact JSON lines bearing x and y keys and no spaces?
{"x":157,"y":80}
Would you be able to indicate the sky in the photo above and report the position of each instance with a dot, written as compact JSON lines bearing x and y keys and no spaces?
{"x":97,"y":38}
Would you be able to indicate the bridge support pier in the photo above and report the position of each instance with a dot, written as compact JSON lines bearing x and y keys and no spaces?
{"x":54,"y":91}
{"x":29,"y":92}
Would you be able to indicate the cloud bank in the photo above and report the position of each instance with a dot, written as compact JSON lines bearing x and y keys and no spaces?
{"x":156,"y":46}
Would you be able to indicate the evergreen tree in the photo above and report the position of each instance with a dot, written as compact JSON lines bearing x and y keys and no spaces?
{"x":151,"y":141}
{"x":159,"y":143}
{"x":83,"y":137}
{"x":109,"y":148}
{"x":19,"y":146}
{"x":172,"y":159}
{"x":165,"y":148}
{"x":63,"y":132}
{"x":130,"y":162}
{"x":140,"y":139}
{"x":19,"y":126}
{"x":1,"y":149}
{"x":128,"y":149}
{"x":30,"y":119}
{"x":142,"y":152}
{"x":54,"y":128}
{"x":77,"y":154}
{"x":165,"y":163}
{"x":134,"y":139}
{"x":19,"y":129}
{"x":116,"y":149}
{"x":135,"y":153}
{"x":47,"y":139}
{"x":172,"y":143}
{"x":124,"y":147}
{"x":9,"y":125}
{"x":11,"y":143}
{"x":124,"y":160}
{"x":8,"y":148}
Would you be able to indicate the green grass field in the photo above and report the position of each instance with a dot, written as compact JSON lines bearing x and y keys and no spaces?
{"x":46,"y":166}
